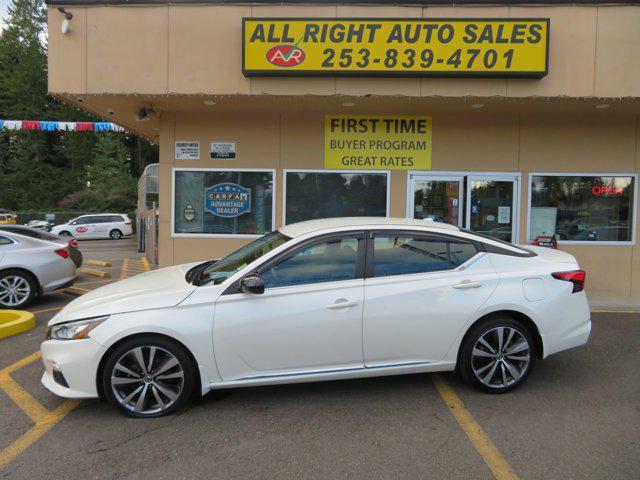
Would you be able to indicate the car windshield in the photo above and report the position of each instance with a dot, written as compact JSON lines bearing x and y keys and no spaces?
{"x":223,"y":269}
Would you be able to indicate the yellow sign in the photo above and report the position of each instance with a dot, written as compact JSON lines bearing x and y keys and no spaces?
{"x":358,"y":142}
{"x":396,"y":47}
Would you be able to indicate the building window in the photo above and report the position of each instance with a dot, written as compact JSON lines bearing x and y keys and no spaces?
{"x":582,"y":208}
{"x":310,"y":195}
{"x":223,"y":202}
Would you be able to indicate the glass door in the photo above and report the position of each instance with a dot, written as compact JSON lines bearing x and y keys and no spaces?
{"x":436,"y":197}
{"x":492,"y":206}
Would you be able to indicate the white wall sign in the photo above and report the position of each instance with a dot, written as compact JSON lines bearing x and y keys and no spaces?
{"x":223,"y":150}
{"x":504,"y":214}
{"x":187,"y":150}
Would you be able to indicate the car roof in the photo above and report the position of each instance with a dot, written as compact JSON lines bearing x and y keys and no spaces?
{"x":301,"y":228}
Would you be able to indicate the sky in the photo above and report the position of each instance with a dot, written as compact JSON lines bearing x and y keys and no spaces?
{"x":3,"y":11}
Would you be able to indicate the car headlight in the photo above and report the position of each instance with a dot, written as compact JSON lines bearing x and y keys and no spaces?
{"x":74,"y":330}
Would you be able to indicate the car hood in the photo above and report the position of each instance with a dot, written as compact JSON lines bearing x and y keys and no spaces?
{"x":161,"y":288}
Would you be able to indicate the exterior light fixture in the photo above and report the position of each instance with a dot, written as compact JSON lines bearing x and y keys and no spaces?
{"x":602,"y":106}
{"x":477,"y":105}
{"x":66,"y":23}
{"x":348,"y":104}
{"x":209,"y":103}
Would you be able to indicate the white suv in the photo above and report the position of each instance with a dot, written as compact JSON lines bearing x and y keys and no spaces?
{"x":103,"y":225}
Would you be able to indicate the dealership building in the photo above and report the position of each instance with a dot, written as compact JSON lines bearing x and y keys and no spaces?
{"x":512,"y":119}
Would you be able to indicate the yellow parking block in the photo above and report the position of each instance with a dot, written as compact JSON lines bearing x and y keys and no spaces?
{"x":75,"y":291}
{"x":95,"y":272}
{"x":13,"y":322}
{"x":100,"y":263}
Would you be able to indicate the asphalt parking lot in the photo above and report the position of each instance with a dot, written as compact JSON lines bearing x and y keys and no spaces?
{"x":577,"y":416}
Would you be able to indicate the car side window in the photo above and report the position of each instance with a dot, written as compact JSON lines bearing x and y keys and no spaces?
{"x":115,"y":218}
{"x":81,"y":221}
{"x":5,"y":241}
{"x":407,"y":254}
{"x":331,"y":260}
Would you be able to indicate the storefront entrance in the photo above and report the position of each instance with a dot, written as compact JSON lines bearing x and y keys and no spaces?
{"x":487,"y":203}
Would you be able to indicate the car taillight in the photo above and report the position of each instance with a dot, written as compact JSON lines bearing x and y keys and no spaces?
{"x":63,"y":252}
{"x":128,"y":222}
{"x":74,"y":243}
{"x":576,"y":277}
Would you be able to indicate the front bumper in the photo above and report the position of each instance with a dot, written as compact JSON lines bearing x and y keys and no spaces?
{"x":77,"y":363}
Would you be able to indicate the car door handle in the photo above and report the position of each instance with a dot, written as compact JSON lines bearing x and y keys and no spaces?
{"x":342,"y":304}
{"x":467,"y":284}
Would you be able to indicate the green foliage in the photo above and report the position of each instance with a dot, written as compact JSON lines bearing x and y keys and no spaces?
{"x":51,"y":170}
{"x":110,"y":186}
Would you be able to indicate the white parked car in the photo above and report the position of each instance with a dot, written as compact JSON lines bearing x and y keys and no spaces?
{"x":103,"y":225}
{"x":30,"y":267}
{"x":321,"y":300}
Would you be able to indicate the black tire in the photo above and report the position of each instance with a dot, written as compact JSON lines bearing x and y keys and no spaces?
{"x":65,"y":233}
{"x":121,"y":352}
{"x":115,"y":234}
{"x":25,"y":280}
{"x":471,"y":365}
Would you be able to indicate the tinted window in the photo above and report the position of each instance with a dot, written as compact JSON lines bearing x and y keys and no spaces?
{"x":83,"y":220}
{"x":327,"y":261}
{"x":114,"y":218}
{"x":229,"y":202}
{"x":324,"y":195}
{"x":402,"y":255}
{"x":5,"y":241}
{"x":22,"y":231}
{"x":585,"y":209}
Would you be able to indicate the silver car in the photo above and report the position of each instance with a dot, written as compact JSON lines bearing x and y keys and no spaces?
{"x":31,"y":267}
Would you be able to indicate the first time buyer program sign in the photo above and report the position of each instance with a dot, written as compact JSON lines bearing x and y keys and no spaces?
{"x":377,"y":142}
{"x":492,"y":47}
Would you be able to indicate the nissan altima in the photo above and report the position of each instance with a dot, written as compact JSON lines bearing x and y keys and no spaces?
{"x":321,"y":300}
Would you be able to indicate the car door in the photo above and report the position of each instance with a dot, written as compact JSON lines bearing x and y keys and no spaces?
{"x":101,"y":226}
{"x":420,"y":291}
{"x":308,"y":320}
{"x":80,"y":227}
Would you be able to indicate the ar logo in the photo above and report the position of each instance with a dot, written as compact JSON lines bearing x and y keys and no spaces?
{"x":286,"y":55}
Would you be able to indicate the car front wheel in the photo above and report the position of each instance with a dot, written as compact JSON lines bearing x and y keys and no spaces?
{"x":148,"y":377}
{"x":497,"y":355}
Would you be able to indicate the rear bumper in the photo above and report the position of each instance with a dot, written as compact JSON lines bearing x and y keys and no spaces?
{"x":77,"y":361}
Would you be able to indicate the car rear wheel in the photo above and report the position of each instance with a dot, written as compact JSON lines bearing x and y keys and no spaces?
{"x":115,"y":234}
{"x":148,"y":377}
{"x":17,"y":289}
{"x":497,"y":355}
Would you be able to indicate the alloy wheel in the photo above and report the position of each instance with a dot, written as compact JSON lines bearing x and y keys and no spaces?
{"x":501,"y":357}
{"x":14,"y":290}
{"x":147,"y":380}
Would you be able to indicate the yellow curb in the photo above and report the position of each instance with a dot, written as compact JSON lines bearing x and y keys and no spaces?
{"x":100,"y":263}
{"x":95,"y":272}
{"x":615,"y":311}
{"x":75,"y":291}
{"x":13,"y":322}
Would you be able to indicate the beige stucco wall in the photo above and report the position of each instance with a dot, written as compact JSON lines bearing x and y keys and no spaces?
{"x":191,"y":49}
{"x":479,"y":142}
{"x":120,"y":58}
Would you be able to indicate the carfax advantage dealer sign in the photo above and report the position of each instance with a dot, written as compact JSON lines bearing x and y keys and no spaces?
{"x":513,"y":47}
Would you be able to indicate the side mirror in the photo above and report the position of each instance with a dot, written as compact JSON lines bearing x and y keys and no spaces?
{"x":252,"y":284}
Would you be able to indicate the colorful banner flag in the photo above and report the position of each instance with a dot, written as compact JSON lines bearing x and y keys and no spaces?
{"x":52,"y":126}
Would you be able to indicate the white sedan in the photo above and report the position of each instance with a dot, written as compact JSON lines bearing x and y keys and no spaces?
{"x":321,"y":300}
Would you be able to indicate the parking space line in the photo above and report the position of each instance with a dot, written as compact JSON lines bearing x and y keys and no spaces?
{"x":34,"y":433}
{"x":123,"y":271}
{"x":485,"y":447}
{"x":23,"y":399}
{"x":145,"y":262}
{"x":95,"y":281}
{"x":48,"y":310}
{"x":20,"y":363}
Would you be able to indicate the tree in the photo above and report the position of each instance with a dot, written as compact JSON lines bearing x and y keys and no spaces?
{"x":110,"y":186}
{"x":38,"y":169}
